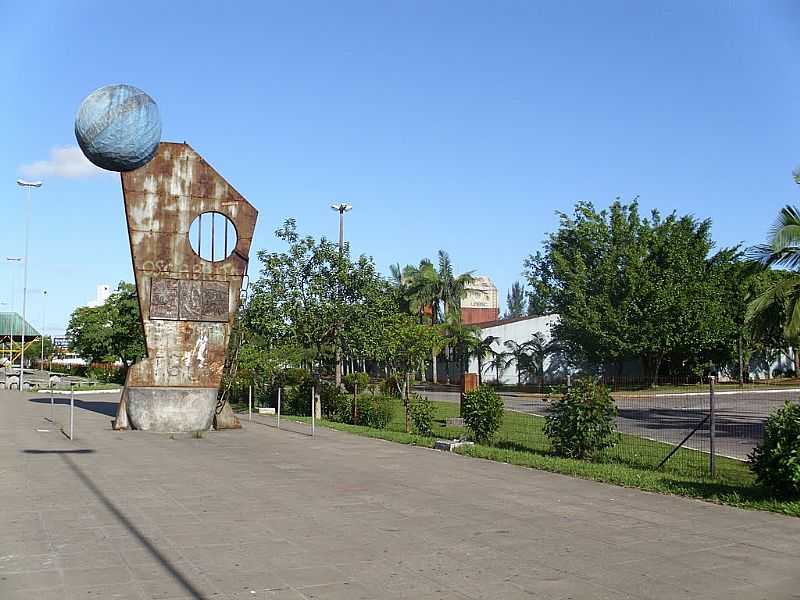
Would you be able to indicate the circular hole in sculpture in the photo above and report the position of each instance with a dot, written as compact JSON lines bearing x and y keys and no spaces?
{"x":212,"y":236}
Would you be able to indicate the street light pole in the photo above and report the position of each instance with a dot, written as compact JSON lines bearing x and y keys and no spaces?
{"x":14,"y":259}
{"x":28,"y":185}
{"x":341,"y":209}
{"x":41,"y":333}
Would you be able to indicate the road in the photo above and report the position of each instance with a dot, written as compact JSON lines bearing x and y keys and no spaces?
{"x":668,"y":418}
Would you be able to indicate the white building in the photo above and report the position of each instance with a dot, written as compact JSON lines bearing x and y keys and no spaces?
{"x":103,"y":292}
{"x":519,"y":330}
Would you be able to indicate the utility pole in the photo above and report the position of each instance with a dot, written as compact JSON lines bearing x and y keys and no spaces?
{"x":28,"y":185}
{"x":341,"y":209}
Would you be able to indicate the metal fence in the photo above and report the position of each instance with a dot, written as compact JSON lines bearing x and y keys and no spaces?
{"x":672,"y":425}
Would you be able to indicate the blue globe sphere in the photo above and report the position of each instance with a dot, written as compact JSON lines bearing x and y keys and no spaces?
{"x":118,"y":127}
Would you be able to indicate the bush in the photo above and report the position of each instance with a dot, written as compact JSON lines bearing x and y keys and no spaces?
{"x":375,"y":412}
{"x":483,"y":413}
{"x":582,"y":422}
{"x":351,"y":380}
{"x":391,"y":386}
{"x":776,"y":460}
{"x":336,"y":404}
{"x":421,"y":412}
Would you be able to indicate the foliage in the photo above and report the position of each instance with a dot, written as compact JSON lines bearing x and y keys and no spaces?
{"x":111,"y":331}
{"x":422,"y":413}
{"x":336,"y":404}
{"x":356,"y":382}
{"x":316,"y":298}
{"x":391,"y":386}
{"x":776,"y":460}
{"x":581,"y":423}
{"x":375,"y":411}
{"x":483,"y":413}
{"x":781,"y":298}
{"x":34,"y":350}
{"x":627,"y":287}
{"x":516,"y":302}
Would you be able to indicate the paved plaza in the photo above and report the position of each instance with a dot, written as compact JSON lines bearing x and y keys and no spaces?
{"x":268,"y":514}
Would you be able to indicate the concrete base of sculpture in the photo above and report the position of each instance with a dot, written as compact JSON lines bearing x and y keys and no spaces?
{"x":171,"y":409}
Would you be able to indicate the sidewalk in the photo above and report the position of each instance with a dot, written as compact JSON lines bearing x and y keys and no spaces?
{"x":266,"y":514}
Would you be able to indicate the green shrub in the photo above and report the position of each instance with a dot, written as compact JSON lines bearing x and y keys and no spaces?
{"x":351,"y":380}
{"x":582,"y":422}
{"x":375,"y":412}
{"x":483,"y":413}
{"x":337,"y":405}
{"x":421,"y":412}
{"x":391,"y":386}
{"x":297,"y":400}
{"x":776,"y":460}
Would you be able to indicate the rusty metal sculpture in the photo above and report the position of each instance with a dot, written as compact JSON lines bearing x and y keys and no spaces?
{"x":187,"y":302}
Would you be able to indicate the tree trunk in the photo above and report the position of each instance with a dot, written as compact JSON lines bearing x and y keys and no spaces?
{"x":434,"y":367}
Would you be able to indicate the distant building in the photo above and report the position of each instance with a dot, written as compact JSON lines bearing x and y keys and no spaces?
{"x":480,"y":303}
{"x":103,"y":292}
{"x":519,"y":330}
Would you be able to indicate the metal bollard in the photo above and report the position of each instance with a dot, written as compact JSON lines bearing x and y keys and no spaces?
{"x":712,"y":463}
{"x":52,"y":404}
{"x":72,"y":411}
{"x":279,"y":408}
{"x":250,"y":403}
{"x":313,"y":409}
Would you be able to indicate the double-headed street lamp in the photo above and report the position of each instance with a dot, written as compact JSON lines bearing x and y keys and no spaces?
{"x":341,"y":209}
{"x":28,"y":185}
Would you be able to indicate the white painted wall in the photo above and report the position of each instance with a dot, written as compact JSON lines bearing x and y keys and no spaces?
{"x":520,"y":331}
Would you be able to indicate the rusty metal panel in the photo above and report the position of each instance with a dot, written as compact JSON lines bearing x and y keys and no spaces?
{"x":187,"y":303}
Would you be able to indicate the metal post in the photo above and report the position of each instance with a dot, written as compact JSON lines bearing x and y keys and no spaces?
{"x":313,"y":407}
{"x":41,"y":334}
{"x":712,"y":466}
{"x":24,"y":296}
{"x":71,"y":410}
{"x":279,"y":408}
{"x":52,"y":404}
{"x":250,"y":403}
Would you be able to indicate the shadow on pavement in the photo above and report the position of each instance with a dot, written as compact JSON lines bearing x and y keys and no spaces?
{"x":108,"y":408}
{"x":187,"y":585}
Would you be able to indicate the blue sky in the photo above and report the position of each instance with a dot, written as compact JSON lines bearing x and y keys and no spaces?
{"x":454,"y":125}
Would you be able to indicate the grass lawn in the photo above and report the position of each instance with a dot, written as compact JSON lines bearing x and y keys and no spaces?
{"x":631,"y":463}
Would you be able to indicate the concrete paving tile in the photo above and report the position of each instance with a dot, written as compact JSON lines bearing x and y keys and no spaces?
{"x":340,"y":591}
{"x":313,"y":575}
{"x":96,"y":576}
{"x":115,"y":591}
{"x":29,"y":581}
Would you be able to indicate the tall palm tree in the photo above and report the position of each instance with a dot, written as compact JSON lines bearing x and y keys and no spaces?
{"x":781,"y":295}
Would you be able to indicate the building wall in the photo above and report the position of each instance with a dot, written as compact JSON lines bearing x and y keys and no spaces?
{"x":519,"y":330}
{"x":472,"y":316}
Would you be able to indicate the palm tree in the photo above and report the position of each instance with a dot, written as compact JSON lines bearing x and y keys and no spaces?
{"x":481,"y":351}
{"x":781,"y":296}
{"x":499,"y":362}
{"x":521,"y":356}
{"x":461,"y":338}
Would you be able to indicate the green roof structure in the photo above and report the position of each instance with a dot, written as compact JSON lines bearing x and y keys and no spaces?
{"x":11,"y":326}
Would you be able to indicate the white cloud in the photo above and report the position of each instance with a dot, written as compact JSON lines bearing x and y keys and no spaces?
{"x":66,"y":161}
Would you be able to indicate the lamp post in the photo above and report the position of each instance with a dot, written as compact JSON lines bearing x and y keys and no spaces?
{"x":341,"y":209}
{"x":41,"y":334}
{"x":27,"y":185}
{"x":12,"y":259}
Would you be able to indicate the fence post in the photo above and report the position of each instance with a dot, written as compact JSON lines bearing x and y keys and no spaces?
{"x":313,"y":407}
{"x":72,"y":411}
{"x":250,"y":403}
{"x":279,"y":407}
{"x":712,"y":466}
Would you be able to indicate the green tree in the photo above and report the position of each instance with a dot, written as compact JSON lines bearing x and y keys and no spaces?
{"x":112,"y":331}
{"x":627,"y":287}
{"x":315,"y":298}
{"x":483,"y":349}
{"x":516,"y":301}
